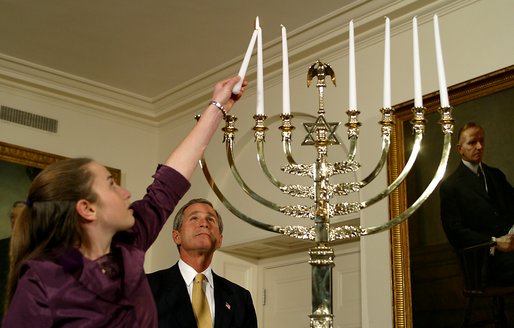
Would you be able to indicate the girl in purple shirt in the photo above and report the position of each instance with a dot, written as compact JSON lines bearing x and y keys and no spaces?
{"x":77,"y":251}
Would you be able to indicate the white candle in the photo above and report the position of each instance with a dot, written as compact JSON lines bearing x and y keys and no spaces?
{"x":443,"y":92}
{"x":286,"y":101}
{"x":246,"y":61}
{"x":353,"y":91}
{"x":260,"y":74}
{"x":387,"y":66}
{"x":418,"y":100}
{"x":244,"y":65}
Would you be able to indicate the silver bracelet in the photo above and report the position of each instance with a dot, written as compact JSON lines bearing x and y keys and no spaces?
{"x":220,"y":107}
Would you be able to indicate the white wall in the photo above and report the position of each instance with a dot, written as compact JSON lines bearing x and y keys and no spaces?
{"x":83,"y":131}
{"x":476,"y":39}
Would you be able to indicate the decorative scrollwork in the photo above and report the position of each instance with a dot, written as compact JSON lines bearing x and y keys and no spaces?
{"x":299,"y":211}
{"x":345,"y":167}
{"x":345,"y":188}
{"x":300,"y":232}
{"x":345,"y":208}
{"x":345,"y":232}
{"x":298,"y":169}
{"x":298,"y":191}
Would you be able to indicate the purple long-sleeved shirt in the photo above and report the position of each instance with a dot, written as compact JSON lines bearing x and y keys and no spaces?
{"x":68,"y":290}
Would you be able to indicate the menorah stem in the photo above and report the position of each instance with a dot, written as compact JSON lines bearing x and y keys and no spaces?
{"x":352,"y":151}
{"x":321,"y":256}
{"x":387,"y":127}
{"x":322,"y":262}
{"x":353,"y":125}
{"x":321,"y":107}
{"x":287,"y":128}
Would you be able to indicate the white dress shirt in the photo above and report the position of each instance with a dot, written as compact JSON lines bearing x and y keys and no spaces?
{"x":189,"y":274}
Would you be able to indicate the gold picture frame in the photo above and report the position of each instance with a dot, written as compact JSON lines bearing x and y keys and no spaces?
{"x":39,"y":159}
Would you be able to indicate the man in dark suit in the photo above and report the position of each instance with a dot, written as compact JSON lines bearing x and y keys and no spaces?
{"x":477,"y":205}
{"x":197,"y":231}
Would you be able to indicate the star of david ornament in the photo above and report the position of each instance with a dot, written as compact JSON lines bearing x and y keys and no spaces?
{"x":320,"y":123}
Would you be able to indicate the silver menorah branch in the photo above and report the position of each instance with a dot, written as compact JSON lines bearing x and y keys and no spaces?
{"x":321,"y":135}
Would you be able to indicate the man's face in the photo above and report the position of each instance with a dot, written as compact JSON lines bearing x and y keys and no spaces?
{"x":200,"y":230}
{"x":471,"y":145}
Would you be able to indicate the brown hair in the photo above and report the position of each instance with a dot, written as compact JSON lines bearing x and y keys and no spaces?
{"x":467,"y":126}
{"x":50,"y":221}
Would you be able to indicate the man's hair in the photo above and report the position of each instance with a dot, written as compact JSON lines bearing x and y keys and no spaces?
{"x":177,"y":222}
{"x":467,"y":126}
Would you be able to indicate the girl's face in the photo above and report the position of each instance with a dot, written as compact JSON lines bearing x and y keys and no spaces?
{"x":113,"y":201}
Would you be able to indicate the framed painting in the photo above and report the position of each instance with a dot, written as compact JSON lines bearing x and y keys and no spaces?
{"x":426,"y":276}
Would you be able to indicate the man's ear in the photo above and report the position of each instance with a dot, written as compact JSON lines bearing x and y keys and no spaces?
{"x":86,"y":210}
{"x":175,"y":234}
{"x":219,"y":242}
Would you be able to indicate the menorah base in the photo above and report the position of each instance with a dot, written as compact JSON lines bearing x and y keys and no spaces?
{"x":321,"y":320}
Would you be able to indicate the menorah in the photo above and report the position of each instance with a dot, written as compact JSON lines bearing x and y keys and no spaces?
{"x":321,"y":135}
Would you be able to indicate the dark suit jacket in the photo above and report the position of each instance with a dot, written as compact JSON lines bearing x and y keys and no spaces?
{"x":233,"y":304}
{"x":469,"y":214}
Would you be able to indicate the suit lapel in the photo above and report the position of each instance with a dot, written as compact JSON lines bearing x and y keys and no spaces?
{"x":223,"y":301}
{"x":177,"y":298}
{"x":490,"y":178}
{"x":471,"y":181}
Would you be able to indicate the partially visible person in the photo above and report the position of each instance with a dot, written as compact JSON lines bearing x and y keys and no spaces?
{"x":79,"y":246}
{"x":198,"y":232}
{"x":15,"y":211}
{"x":477,"y":205}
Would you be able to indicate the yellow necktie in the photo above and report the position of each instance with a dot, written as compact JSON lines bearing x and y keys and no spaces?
{"x":200,"y":304}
